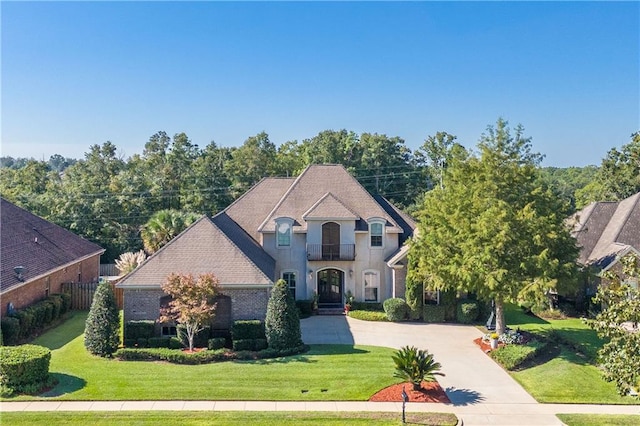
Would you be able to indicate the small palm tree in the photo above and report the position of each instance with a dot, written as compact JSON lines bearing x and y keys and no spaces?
{"x":163,"y":226}
{"x":129,"y":261}
{"x":415,"y":365}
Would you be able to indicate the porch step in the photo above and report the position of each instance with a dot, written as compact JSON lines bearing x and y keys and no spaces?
{"x":330,"y":311}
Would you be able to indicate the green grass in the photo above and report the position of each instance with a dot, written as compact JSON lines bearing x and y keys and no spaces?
{"x":192,"y":418}
{"x":572,"y":376}
{"x":599,"y":419}
{"x":326,"y":372}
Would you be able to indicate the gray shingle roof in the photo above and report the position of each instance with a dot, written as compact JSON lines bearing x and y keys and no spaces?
{"x":250,"y":209}
{"x":215,"y":246}
{"x":36,"y":244}
{"x":316,"y":181}
{"x":329,"y":207}
{"x":605,"y":229}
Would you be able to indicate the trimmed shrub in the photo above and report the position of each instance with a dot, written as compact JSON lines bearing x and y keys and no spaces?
{"x":467,"y":312}
{"x":66,"y":302}
{"x":26,"y":323}
{"x":139,"y":329}
{"x":129,"y":343}
{"x":102,"y":325}
{"x":261,"y":344}
{"x":244,"y":345}
{"x":24,"y":367}
{"x":10,"y":330}
{"x":396,"y":309}
{"x":448,"y":300}
{"x":305,"y":307}
{"x":216,"y":343}
{"x":175,"y":343}
{"x":368,"y":315}
{"x":56,"y":301}
{"x":142,"y":342}
{"x":282,"y":323}
{"x":414,"y":296}
{"x":434,"y":313}
{"x":366,"y":306}
{"x":242,"y":330}
{"x":173,"y":355}
{"x":511,"y":356}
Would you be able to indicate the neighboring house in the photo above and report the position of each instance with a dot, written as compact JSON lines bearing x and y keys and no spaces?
{"x":37,"y":257}
{"x":321,"y":232}
{"x":606,"y":232}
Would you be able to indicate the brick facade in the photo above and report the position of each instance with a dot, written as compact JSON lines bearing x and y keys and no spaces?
{"x":245,"y":304}
{"x":87,"y":270}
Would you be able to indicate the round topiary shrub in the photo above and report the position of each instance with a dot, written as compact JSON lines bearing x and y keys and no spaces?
{"x":467,"y":311}
{"x":24,"y":368}
{"x":282,"y":324}
{"x":396,"y":309}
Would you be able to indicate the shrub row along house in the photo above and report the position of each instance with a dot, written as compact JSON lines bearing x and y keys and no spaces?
{"x":321,"y":232}
{"x":37,"y":257}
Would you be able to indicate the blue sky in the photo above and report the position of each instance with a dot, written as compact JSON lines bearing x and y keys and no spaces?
{"x":81,"y":73}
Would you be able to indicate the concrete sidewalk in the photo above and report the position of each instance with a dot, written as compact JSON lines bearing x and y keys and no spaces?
{"x":474,"y":414}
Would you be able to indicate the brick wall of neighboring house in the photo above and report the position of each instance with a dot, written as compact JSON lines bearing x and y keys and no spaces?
{"x":245,"y":303}
{"x":87,"y":270}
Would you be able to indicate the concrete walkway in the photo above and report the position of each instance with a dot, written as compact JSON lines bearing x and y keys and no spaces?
{"x":481,"y":392}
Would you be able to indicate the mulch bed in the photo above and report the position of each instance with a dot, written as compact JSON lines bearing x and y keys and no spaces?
{"x":485,"y":346}
{"x":429,"y":392}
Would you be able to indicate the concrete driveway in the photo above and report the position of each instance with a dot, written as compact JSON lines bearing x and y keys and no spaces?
{"x":471,"y":377}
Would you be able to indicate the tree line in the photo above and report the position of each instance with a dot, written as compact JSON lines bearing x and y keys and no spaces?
{"x":107,"y":199}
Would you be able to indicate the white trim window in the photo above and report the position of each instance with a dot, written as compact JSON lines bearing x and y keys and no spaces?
{"x":376,"y":230}
{"x":371,"y":285}
{"x":283,"y":233}
{"x":290,"y":278}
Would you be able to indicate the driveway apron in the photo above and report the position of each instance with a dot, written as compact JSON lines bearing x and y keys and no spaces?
{"x":471,"y":377}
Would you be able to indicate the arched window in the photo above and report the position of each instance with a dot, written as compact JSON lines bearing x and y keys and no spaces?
{"x":283,"y":232}
{"x":376,"y":233}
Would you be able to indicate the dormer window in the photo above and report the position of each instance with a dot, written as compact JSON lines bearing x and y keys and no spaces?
{"x":375,"y":234}
{"x":283,"y":232}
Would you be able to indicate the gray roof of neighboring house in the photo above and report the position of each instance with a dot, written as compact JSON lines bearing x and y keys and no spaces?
{"x":605,"y":229}
{"x":217,"y":246}
{"x":312,"y":185}
{"x":37,"y":245}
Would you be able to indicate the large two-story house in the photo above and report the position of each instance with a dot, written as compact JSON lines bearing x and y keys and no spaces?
{"x":321,"y":232}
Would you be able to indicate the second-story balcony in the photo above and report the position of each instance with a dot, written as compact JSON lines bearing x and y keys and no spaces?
{"x":331,"y":251}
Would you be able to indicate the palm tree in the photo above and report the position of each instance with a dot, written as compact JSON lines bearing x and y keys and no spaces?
{"x":163,"y":226}
{"x":415,"y":365}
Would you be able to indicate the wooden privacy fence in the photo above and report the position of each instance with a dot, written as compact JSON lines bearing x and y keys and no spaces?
{"x":82,"y":294}
{"x":109,"y":270}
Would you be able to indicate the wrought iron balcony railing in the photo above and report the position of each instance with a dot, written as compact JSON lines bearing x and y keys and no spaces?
{"x":331,"y":251}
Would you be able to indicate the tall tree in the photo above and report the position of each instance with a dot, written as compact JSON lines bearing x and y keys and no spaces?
{"x":618,"y":322}
{"x":255,"y":159}
{"x":192,"y":302}
{"x":618,"y":176}
{"x":492,"y":229}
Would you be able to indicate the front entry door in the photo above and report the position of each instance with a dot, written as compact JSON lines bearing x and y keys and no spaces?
{"x":330,"y":283}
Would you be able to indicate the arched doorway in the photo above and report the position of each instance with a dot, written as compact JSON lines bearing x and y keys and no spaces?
{"x":330,"y":285}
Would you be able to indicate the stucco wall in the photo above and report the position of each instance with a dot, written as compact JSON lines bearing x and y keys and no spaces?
{"x":85,"y":271}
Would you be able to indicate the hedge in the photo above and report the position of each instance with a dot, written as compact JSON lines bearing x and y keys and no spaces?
{"x":244,"y":345}
{"x":512,"y":356}
{"x":10,"y":330}
{"x":467,"y":311}
{"x":139,"y":329}
{"x":216,"y":343}
{"x":158,"y":342}
{"x":396,"y":309}
{"x":24,"y":368}
{"x":434,"y":313}
{"x":369,"y":315}
{"x":242,"y":330}
{"x":367,"y":306}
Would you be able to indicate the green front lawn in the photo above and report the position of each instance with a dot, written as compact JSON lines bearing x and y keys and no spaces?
{"x":193,"y":418}
{"x":599,"y":419}
{"x":571,"y":377}
{"x":326,"y":372}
